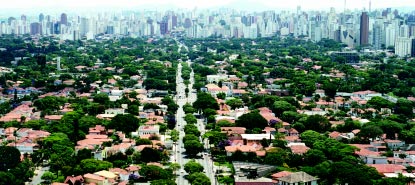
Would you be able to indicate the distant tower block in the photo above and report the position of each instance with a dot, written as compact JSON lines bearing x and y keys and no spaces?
{"x":58,"y":63}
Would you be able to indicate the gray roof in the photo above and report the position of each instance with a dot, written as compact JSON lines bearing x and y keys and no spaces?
{"x":298,"y":177}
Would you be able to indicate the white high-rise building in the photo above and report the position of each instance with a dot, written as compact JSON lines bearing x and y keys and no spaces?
{"x":404,"y":31}
{"x":403,"y":46}
{"x":390,"y":36}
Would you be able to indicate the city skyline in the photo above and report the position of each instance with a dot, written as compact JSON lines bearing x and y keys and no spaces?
{"x":19,"y":6}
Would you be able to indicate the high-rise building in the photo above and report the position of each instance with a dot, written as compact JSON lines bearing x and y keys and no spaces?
{"x":364,"y":29}
{"x":390,"y":35}
{"x":84,"y":26}
{"x":413,"y":48}
{"x":23,"y":18}
{"x":164,"y":27}
{"x":174,"y":21}
{"x":41,"y":17}
{"x":35,"y":28}
{"x":404,"y":31}
{"x":403,"y":46}
{"x":378,"y":36}
{"x":187,"y":23}
{"x":64,"y":19}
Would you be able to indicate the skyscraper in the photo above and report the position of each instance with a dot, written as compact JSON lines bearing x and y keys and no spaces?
{"x":41,"y":17}
{"x":64,"y":19}
{"x":35,"y":28}
{"x":164,"y":27}
{"x":364,"y":29}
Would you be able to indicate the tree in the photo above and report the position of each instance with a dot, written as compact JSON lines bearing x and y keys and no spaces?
{"x":133,"y":109}
{"x":152,"y":172}
{"x":379,"y":102}
{"x":188,"y":109}
{"x":280,"y":106}
{"x":93,"y":165}
{"x":252,"y":120}
{"x":309,"y":137}
{"x":227,"y":180}
{"x":193,"y":147}
{"x":221,"y":95}
{"x":276,"y":156}
{"x":191,"y":129}
{"x":235,"y":103}
{"x":142,"y":141}
{"x":84,"y":153}
{"x":49,"y":103}
{"x":190,"y":119}
{"x":198,"y":179}
{"x":9,"y":157}
{"x":124,"y":122}
{"x":290,"y":116}
{"x":150,"y":155}
{"x":193,"y":167}
{"x":136,"y":157}
{"x":163,"y":182}
{"x":101,"y":98}
{"x":209,"y":112}
{"x":174,"y":135}
{"x":189,"y":137}
{"x":370,"y":132}
{"x":48,"y":177}
{"x":391,"y":128}
{"x":174,"y":166}
{"x":215,"y":137}
{"x":330,"y":88}
{"x":204,"y":101}
{"x":313,"y":157}
{"x":150,"y":106}
{"x":7,"y":178}
{"x":317,"y":123}
{"x":404,"y":107}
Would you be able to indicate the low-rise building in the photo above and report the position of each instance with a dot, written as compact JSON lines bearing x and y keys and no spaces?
{"x":149,"y":129}
{"x":297,"y":178}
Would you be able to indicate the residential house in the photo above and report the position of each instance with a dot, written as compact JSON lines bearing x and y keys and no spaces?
{"x":297,"y":178}
{"x":394,"y":144}
{"x":217,"y":78}
{"x":388,"y":168}
{"x":257,"y":138}
{"x":148,"y":129}
{"x":242,"y":85}
{"x":213,"y":89}
{"x":238,"y":92}
{"x":74,"y":180}
{"x":115,"y":111}
{"x":122,"y":174}
{"x":298,"y":148}
{"x":366,"y":95}
{"x":96,"y":179}
{"x":233,"y":130}
{"x":280,"y":174}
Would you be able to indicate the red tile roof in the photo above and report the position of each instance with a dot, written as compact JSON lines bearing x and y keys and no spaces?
{"x":388,"y":168}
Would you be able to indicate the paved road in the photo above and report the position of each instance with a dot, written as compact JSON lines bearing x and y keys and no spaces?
{"x":37,"y":178}
{"x":179,"y":150}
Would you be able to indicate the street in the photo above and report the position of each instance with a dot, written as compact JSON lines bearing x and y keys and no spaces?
{"x":39,"y":172}
{"x":178,"y":149}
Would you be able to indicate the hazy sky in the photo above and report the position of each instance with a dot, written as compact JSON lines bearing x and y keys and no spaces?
{"x":32,"y":5}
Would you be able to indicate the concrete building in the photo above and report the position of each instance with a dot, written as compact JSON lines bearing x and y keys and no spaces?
{"x":403,"y":46}
{"x":364,"y":29}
